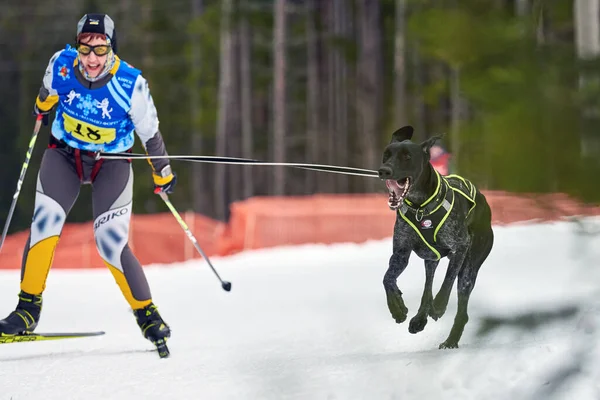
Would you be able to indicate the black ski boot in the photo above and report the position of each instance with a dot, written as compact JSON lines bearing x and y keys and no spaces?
{"x":25,"y":317}
{"x":154,"y":328}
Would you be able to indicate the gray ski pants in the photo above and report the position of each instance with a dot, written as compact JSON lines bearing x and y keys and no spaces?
{"x":62,"y":172}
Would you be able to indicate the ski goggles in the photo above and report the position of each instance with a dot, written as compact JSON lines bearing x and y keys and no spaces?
{"x":99,"y":50}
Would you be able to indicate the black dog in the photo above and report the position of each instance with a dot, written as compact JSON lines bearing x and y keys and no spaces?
{"x":437,"y":216}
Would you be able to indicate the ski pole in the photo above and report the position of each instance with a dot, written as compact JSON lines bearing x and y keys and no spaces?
{"x":36,"y":129}
{"x":224,"y":284}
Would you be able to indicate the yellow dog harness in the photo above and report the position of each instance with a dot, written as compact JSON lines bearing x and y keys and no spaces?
{"x":429,"y":217}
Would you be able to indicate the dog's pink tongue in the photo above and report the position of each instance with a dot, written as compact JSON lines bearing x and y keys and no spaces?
{"x":393,"y":185}
{"x":395,"y":193}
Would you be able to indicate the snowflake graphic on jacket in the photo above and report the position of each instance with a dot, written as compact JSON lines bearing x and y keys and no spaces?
{"x":87,"y":105}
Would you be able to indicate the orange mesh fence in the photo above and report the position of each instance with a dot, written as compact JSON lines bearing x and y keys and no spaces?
{"x":155,"y":238}
{"x":509,"y":208}
{"x":271,"y":221}
{"x":263,"y":222}
{"x":158,"y":238}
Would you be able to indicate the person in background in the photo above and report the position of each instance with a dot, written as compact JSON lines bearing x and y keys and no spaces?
{"x":440,"y":159}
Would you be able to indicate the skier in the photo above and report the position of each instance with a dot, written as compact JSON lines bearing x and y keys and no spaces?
{"x":100,"y":101}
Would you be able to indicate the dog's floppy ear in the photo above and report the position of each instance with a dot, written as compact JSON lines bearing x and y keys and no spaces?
{"x":428,"y":144}
{"x":404,"y":133}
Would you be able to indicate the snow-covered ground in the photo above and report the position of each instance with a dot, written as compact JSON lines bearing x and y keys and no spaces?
{"x":311,"y":322}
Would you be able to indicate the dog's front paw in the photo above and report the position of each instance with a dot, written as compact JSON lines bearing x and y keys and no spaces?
{"x":449,"y":345}
{"x":397,"y":307}
{"x":399,"y":313}
{"x":417,"y":323}
{"x":438,"y":308}
{"x":436,"y":313}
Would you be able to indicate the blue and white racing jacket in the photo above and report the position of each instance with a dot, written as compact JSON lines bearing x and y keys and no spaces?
{"x":102,"y":115}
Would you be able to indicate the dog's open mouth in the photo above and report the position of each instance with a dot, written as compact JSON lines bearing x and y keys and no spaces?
{"x":398,"y":190}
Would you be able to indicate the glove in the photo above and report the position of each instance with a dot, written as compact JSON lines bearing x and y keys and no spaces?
{"x":44,"y":114}
{"x":167,"y":187}
{"x":165,"y":182}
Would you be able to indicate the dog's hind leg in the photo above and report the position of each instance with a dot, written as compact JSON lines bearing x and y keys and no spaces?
{"x":398,"y":262}
{"x":466,"y":282}
{"x":418,"y":322}
{"x":457,"y":259}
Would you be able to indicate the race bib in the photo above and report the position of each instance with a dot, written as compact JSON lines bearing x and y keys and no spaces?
{"x":87,"y":132}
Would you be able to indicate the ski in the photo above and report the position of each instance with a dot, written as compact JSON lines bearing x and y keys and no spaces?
{"x":161,"y":347}
{"x":161,"y":344}
{"x":36,"y":337}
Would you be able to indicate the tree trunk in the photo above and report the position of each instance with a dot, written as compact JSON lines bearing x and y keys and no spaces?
{"x":147,"y":60}
{"x":323,"y":180}
{"x":341,"y":29}
{"x":540,"y":20}
{"x":327,"y":179}
{"x":456,"y":113}
{"x":24,"y":78}
{"x":438,"y":115}
{"x":420,"y":121}
{"x":369,"y":86}
{"x":125,"y":11}
{"x":400,"y":117}
{"x":198,"y":178}
{"x":221,"y":206}
{"x":521,"y":7}
{"x":312,"y":98}
{"x":233,"y":173}
{"x":279,"y":95}
{"x":587,"y":32}
{"x":418,"y":82}
{"x":246,"y":105}
{"x":587,"y":37}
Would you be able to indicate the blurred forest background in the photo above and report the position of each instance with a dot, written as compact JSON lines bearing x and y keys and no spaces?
{"x":514,"y":84}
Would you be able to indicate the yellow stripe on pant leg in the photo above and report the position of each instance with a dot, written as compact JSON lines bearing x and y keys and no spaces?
{"x":122,"y":282}
{"x":37,"y":266}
